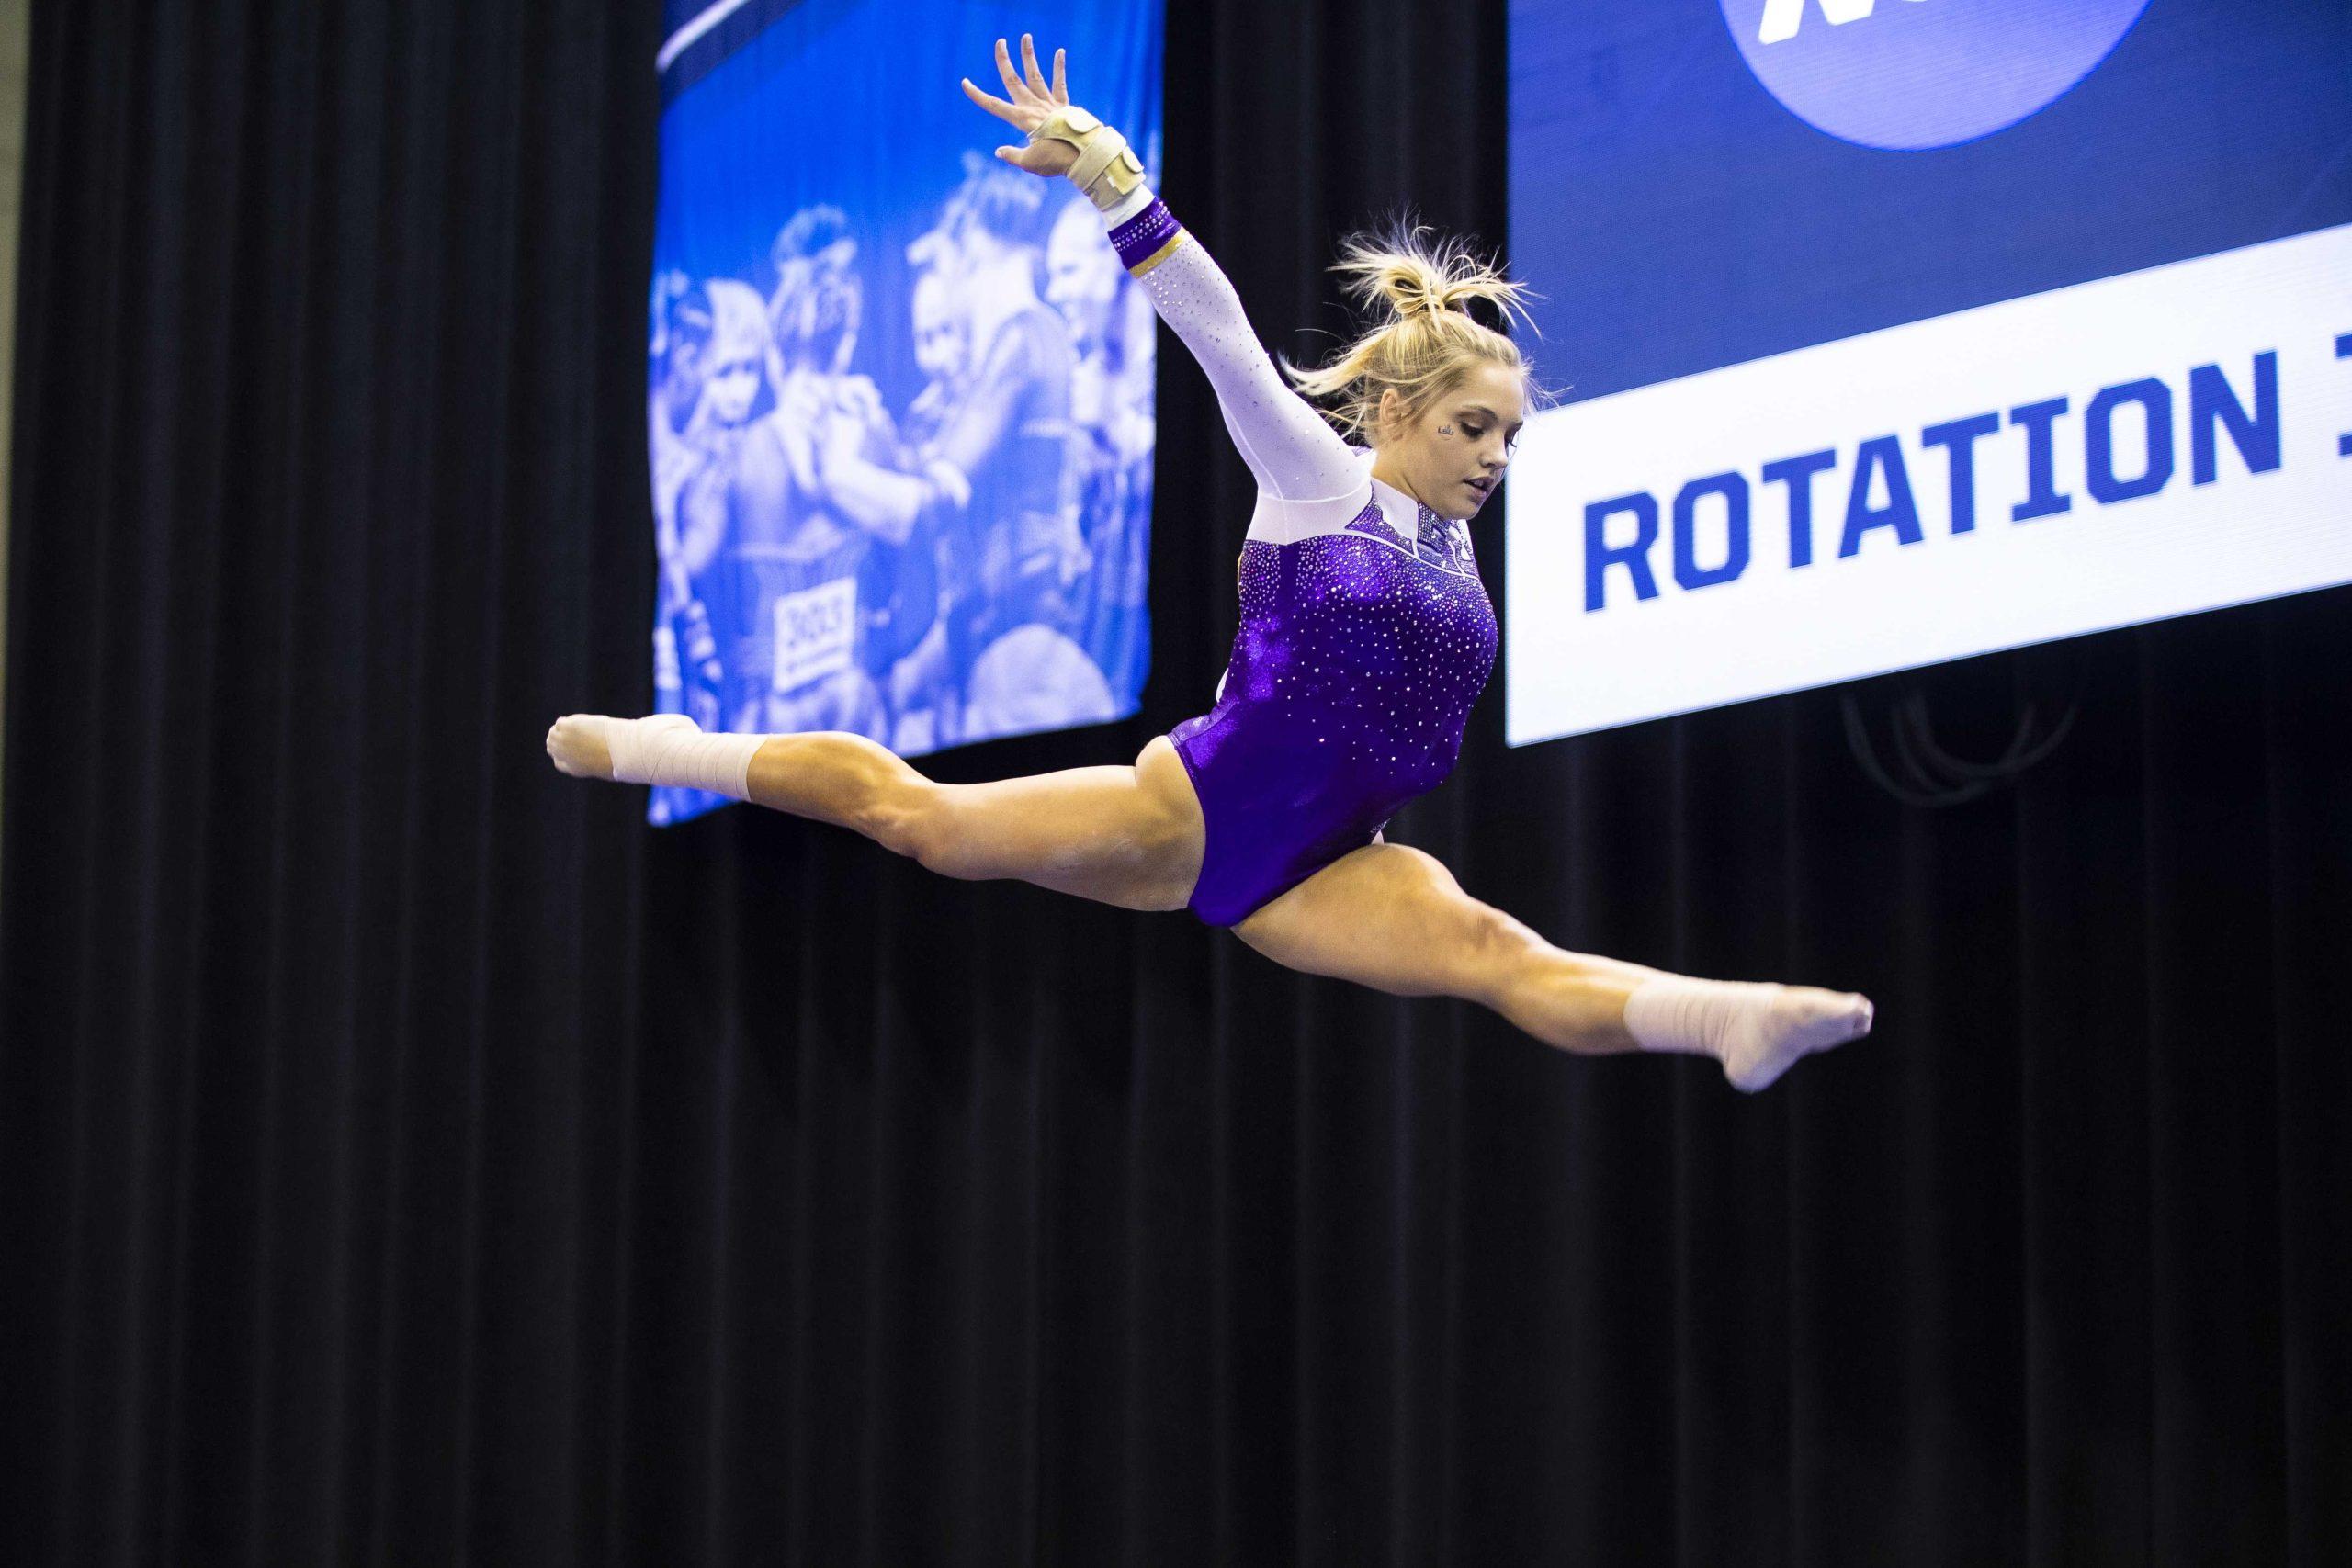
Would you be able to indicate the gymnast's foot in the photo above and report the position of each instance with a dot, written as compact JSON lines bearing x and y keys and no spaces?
{"x":582,"y":744}
{"x":1757,"y":1030}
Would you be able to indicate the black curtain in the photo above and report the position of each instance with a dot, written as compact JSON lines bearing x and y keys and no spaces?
{"x":406,"y":1156}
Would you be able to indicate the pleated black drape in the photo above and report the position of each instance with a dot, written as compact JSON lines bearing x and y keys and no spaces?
{"x":408,"y":1157}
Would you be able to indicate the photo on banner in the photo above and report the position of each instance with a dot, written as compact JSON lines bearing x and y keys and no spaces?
{"x":1901,"y":331}
{"x":898,"y":392}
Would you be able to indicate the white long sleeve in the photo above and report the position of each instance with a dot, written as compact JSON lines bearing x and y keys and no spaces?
{"x":1299,"y":461}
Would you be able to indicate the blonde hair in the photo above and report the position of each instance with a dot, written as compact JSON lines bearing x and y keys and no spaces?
{"x":1429,"y":339}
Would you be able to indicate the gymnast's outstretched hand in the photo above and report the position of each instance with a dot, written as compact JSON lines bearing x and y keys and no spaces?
{"x":1033,"y":99}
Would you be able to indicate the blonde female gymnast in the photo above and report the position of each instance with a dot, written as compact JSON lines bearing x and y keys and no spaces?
{"x":1365,"y":635}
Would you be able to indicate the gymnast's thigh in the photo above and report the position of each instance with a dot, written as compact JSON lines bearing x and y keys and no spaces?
{"x":1129,"y":836}
{"x":1393,"y":918}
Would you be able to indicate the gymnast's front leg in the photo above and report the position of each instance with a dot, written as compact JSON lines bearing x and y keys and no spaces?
{"x":1392,"y":917}
{"x":1128,"y":835}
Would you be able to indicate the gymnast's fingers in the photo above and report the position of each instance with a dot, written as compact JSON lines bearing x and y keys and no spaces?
{"x":1029,"y":72}
{"x":1061,"y":79}
{"x":1014,"y":87}
{"x":996,"y":106}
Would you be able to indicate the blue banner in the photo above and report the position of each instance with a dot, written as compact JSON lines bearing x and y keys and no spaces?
{"x":899,"y":394}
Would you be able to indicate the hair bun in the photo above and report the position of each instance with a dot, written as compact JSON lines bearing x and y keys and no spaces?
{"x":1408,"y":282}
{"x":1426,"y":284}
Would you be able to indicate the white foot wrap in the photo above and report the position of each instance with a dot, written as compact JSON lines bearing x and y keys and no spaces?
{"x":671,"y":749}
{"x":1757,"y":1030}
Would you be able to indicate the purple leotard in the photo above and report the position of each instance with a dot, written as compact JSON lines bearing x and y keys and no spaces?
{"x":1365,"y":633}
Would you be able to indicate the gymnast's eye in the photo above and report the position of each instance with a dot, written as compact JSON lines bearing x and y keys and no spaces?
{"x":1473,"y":431}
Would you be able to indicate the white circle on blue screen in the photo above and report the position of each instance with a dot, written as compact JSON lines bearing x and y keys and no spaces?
{"x":1909,"y":75}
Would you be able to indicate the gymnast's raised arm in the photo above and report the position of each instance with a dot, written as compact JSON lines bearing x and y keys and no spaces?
{"x":1291,"y":451}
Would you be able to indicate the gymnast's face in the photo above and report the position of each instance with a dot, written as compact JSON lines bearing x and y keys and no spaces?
{"x":1452,"y":456}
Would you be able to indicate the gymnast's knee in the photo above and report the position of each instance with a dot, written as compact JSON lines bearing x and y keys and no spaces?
{"x":1501,"y":954}
{"x":916,"y":820}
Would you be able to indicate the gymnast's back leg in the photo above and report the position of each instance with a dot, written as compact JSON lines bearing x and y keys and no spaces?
{"x":1130,"y":836}
{"x":1392,"y":917}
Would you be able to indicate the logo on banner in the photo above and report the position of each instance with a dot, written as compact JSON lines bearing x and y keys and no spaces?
{"x":1910,"y":74}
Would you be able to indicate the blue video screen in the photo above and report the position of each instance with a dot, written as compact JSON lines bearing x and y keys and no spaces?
{"x":898,"y":392}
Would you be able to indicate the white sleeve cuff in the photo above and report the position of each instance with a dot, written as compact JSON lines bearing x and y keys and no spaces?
{"x":1135,"y":201}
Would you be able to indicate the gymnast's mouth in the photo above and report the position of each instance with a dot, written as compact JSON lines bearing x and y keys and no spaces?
{"x":1485,"y":487}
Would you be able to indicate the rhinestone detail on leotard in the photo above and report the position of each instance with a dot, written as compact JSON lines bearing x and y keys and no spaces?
{"x":1353,"y":676}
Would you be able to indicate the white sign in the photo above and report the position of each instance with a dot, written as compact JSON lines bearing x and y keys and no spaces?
{"x":2124,"y":450}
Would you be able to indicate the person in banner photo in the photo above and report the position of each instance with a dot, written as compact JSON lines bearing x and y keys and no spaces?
{"x":926,"y":703}
{"x":1114,"y":428}
{"x":994,"y":480}
{"x":1365,"y":637}
{"x":1012,"y":437}
{"x":687,"y":447}
{"x":900,"y":586}
{"x":792,"y":556}
{"x":888,"y":480}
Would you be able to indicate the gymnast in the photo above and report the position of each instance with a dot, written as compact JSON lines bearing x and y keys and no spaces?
{"x":1365,"y":635}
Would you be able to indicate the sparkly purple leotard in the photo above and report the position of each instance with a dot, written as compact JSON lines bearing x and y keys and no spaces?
{"x":1365,"y":633}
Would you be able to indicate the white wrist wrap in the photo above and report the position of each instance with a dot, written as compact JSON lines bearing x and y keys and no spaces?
{"x":1126,"y":206}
